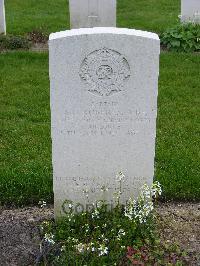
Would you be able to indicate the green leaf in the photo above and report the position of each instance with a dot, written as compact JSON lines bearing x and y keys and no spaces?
{"x":176,"y":43}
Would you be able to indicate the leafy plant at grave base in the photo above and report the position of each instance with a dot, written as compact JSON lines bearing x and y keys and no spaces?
{"x":183,"y":37}
{"x":124,"y":235}
{"x":9,"y":42}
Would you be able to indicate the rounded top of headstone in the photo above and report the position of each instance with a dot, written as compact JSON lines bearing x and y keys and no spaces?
{"x":103,"y":30}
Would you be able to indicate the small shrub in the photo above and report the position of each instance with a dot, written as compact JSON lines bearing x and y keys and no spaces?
{"x":182,"y":38}
{"x":37,"y":36}
{"x":13,"y":42}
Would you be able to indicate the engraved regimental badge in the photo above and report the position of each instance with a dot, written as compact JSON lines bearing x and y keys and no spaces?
{"x":105,"y":71}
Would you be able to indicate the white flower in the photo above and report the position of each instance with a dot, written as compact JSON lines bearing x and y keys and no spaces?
{"x":49,"y":238}
{"x":117,"y":195}
{"x":143,"y":207}
{"x":143,"y":210}
{"x":42,"y":203}
{"x":46,"y":223}
{"x":103,"y":250}
{"x":87,"y":228}
{"x":71,"y":239}
{"x":120,"y":234}
{"x":129,"y":209}
{"x":99,"y":204}
{"x":70,"y":205}
{"x":80,"y":247}
{"x":63,"y":248}
{"x":145,"y":193}
{"x":95,"y":213}
{"x":120,"y":177}
{"x":156,"y":189}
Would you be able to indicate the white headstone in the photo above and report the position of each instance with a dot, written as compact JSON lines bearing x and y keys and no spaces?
{"x":103,"y":105}
{"x":2,"y":18}
{"x":190,"y":11}
{"x":92,"y":13}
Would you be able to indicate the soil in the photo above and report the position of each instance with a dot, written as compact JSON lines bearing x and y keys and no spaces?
{"x":39,"y":47}
{"x":20,"y":235}
{"x":180,"y":223}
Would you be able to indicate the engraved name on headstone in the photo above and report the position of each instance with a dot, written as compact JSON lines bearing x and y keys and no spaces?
{"x":103,"y":107}
{"x":92,"y":13}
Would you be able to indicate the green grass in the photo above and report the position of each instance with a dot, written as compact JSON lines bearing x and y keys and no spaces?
{"x":178,"y":134}
{"x":50,"y":16}
{"x":44,"y":15}
{"x":151,"y":15}
{"x":26,"y":173}
{"x":25,"y":170}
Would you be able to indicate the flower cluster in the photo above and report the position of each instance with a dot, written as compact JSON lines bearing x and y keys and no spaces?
{"x":49,"y":238}
{"x":121,"y":233}
{"x":72,"y":240}
{"x":96,"y":232}
{"x":141,"y":209}
{"x":100,"y":249}
{"x":95,"y":213}
{"x":120,"y":177}
{"x":103,"y":250}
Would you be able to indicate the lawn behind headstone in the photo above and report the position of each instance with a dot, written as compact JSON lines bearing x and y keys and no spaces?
{"x":25,"y":16}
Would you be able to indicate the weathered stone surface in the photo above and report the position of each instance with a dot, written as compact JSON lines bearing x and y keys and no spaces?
{"x":103,"y":106}
{"x":190,"y":10}
{"x":92,"y":13}
{"x":2,"y":18}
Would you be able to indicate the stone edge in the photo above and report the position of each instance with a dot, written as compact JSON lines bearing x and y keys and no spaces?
{"x":103,"y":30}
